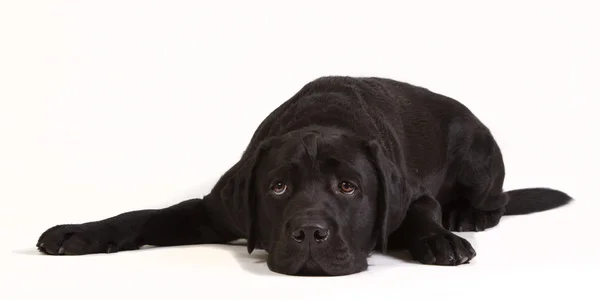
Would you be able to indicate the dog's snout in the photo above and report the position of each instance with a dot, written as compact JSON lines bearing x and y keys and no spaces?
{"x":310,"y":231}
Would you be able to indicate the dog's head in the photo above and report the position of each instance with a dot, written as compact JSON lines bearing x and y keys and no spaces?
{"x":318,"y":202}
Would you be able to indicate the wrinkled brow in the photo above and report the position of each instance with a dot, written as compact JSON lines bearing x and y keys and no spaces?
{"x":296,"y":154}
{"x":308,"y":153}
{"x":342,"y":167}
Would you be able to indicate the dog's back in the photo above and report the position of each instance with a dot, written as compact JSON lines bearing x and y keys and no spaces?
{"x":409,"y":120}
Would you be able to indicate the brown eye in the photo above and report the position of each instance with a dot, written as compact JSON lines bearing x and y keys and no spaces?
{"x":279,"y":188}
{"x":347,"y":187}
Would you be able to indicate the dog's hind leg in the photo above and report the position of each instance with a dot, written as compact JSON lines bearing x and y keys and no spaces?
{"x":479,"y":201}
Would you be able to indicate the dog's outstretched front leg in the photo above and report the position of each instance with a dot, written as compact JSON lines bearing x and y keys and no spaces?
{"x":426,"y":239}
{"x":188,"y":222}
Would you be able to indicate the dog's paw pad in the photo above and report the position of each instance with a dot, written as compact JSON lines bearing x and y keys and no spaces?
{"x":444,"y":248}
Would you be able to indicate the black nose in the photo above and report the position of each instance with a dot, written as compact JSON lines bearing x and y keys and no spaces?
{"x":316,"y":232}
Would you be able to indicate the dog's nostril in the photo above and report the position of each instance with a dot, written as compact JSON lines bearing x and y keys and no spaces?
{"x":298,"y":235}
{"x":321,"y":234}
{"x":314,"y":232}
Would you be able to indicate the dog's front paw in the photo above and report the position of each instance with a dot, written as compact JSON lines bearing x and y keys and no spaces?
{"x":471,"y":219}
{"x":82,"y":239}
{"x":445,"y":248}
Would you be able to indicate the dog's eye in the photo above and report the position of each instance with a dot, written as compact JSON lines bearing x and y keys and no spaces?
{"x":279,"y":188}
{"x":347,"y":187}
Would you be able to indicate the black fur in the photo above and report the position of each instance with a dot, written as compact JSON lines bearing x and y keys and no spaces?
{"x":526,"y":201}
{"x":346,"y":166}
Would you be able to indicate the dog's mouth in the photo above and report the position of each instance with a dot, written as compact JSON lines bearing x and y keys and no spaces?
{"x":309,"y":264}
{"x":311,"y":268}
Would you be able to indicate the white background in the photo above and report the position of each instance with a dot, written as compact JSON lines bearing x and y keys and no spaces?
{"x":110,"y":106}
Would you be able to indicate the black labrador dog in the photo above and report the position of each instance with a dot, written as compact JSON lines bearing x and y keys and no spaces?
{"x":345,"y":167}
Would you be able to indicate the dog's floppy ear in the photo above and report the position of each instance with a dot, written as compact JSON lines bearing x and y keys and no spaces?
{"x":393,"y":192}
{"x":241,"y":190}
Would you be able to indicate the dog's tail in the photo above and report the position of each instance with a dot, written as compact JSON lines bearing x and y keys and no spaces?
{"x":531,"y":200}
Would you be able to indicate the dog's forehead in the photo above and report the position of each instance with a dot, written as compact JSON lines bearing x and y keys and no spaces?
{"x":313,"y":147}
